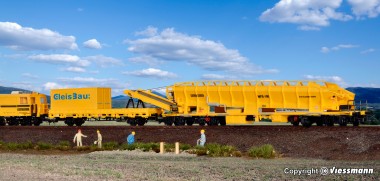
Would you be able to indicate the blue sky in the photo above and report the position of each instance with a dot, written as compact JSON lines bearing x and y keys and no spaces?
{"x":149,"y":44}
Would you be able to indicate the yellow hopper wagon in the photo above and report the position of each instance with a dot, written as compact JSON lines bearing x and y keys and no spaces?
{"x":25,"y":108}
{"x":246,"y":102}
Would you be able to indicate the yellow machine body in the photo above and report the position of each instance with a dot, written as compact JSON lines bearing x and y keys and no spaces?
{"x":243,"y":102}
{"x":20,"y":104}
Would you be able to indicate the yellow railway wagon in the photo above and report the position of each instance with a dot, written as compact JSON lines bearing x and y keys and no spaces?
{"x":76,"y":105}
{"x":243,"y":102}
{"x":23,"y":108}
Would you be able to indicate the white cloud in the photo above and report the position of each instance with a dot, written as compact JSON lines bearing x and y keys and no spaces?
{"x":104,"y":61}
{"x":215,"y":77}
{"x":338,"y":47}
{"x":74,"y":69}
{"x":52,"y":85}
{"x":16,"y":37}
{"x":325,"y":50}
{"x":92,"y":82}
{"x":29,"y":75}
{"x":92,"y":44}
{"x":361,"y":8}
{"x":150,"y":31}
{"x":335,"y":79}
{"x":170,"y":45}
{"x":152,"y":73}
{"x":26,"y":85}
{"x":308,"y":28}
{"x":146,"y":60}
{"x":309,"y":14}
{"x":367,"y":51}
{"x":60,"y":59}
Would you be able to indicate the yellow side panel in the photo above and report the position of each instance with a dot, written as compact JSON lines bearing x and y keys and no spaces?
{"x":81,"y":98}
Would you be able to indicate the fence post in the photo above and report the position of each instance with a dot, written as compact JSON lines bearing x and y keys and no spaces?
{"x":162,"y":147}
{"x":177,"y":148}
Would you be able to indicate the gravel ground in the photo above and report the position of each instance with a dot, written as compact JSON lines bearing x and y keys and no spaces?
{"x":137,"y":165}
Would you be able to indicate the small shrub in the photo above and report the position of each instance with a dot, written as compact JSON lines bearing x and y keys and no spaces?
{"x":155,"y":147}
{"x":83,"y":148}
{"x":200,"y":151}
{"x":95,"y":148}
{"x":26,"y":145}
{"x":184,"y":146}
{"x":169,"y":147}
{"x":128,"y":147}
{"x":12,"y":146}
{"x":63,"y":146}
{"x":44,"y":146}
{"x":147,"y":146}
{"x":2,"y":145}
{"x":236,"y":154}
{"x":264,"y":151}
{"x":217,"y":150}
{"x":110,"y":145}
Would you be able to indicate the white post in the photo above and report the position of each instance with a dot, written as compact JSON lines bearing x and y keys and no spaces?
{"x":177,"y":148}
{"x":162,"y":148}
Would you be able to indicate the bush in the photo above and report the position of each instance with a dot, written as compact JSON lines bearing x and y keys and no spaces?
{"x":217,"y":150}
{"x":128,"y":147}
{"x":26,"y":145}
{"x":2,"y":145}
{"x":148,"y":146}
{"x":95,"y":148}
{"x":110,"y":145}
{"x":169,"y":147}
{"x":184,"y":146}
{"x":236,"y":154}
{"x":12,"y":146}
{"x":44,"y":146}
{"x":200,"y":151}
{"x":264,"y":151}
{"x":63,"y":146}
{"x":83,"y":148}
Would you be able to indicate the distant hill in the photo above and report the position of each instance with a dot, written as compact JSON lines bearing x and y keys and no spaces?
{"x":372,"y":95}
{"x":8,"y":90}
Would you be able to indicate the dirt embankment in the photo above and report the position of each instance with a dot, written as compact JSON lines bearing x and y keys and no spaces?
{"x":337,"y":143}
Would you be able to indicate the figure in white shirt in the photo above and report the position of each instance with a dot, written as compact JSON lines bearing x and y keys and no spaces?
{"x":78,"y":138}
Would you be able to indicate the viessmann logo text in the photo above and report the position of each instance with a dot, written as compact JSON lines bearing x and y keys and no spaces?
{"x":73,"y":96}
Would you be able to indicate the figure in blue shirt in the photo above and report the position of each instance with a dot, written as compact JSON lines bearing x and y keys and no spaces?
{"x":201,"y":141}
{"x":131,"y":138}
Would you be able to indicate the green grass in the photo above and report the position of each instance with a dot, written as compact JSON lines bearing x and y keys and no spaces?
{"x":211,"y":149}
{"x":217,"y":150}
{"x":264,"y":151}
{"x":63,"y":146}
{"x":44,"y":146}
{"x":126,"y":146}
{"x":113,"y":145}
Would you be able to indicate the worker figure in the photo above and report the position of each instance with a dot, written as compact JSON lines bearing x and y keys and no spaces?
{"x":131,"y":138}
{"x":201,"y":141}
{"x":78,"y":138}
{"x":99,"y":141}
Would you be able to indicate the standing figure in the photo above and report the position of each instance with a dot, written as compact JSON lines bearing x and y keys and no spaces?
{"x":78,"y":138}
{"x":201,"y":141}
{"x":131,"y":138}
{"x":99,"y":141}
